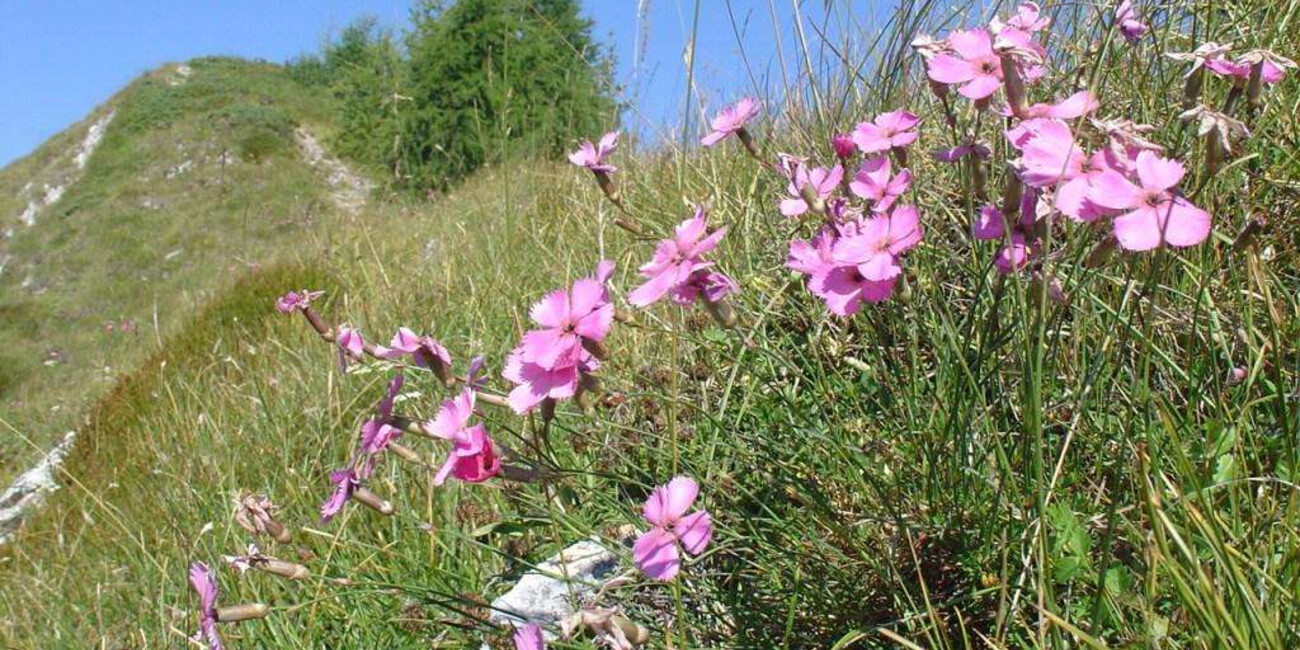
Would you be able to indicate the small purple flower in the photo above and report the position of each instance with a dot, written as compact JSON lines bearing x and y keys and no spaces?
{"x":295,"y":300}
{"x":731,"y":119}
{"x":205,"y":584}
{"x":592,"y":156}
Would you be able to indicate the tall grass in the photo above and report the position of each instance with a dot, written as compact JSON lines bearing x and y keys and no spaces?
{"x":969,"y":465}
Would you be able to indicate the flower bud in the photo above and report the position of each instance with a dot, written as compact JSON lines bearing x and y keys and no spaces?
{"x":636,"y":633}
{"x":284,"y":569}
{"x":372,"y":500}
{"x":1255,"y":86}
{"x":748,"y":140}
{"x":405,"y":453}
{"x":279,"y":532}
{"x":1014,"y":87}
{"x":721,"y":312}
{"x":809,"y":194}
{"x":596,"y":348}
{"x":245,"y":612}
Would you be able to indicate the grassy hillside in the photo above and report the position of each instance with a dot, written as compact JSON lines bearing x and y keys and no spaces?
{"x":971,"y":464}
{"x":196,"y":181}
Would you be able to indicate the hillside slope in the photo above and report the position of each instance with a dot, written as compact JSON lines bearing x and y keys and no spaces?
{"x":120,"y":227}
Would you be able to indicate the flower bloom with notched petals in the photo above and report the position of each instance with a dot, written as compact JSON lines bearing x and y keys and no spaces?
{"x":856,"y":262}
{"x":1129,"y":25}
{"x":1049,"y":154}
{"x":205,"y":584}
{"x":570,"y":320}
{"x":656,"y":550}
{"x":549,"y":362}
{"x":345,"y":483}
{"x":592,"y":156}
{"x":529,"y":637}
{"x":1272,"y":67}
{"x":972,"y":63}
{"x":1076,"y":105}
{"x":425,"y":351}
{"x":892,"y":130}
{"x":1153,"y":214}
{"x":377,"y":433}
{"x":350,"y":341}
{"x":876,"y":183}
{"x":676,"y":260}
{"x":1028,"y":18}
{"x":295,"y":300}
{"x":472,"y":457}
{"x":821,"y":181}
{"x":731,"y":119}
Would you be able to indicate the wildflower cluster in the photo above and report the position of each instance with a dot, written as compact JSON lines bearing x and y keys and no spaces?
{"x":853,"y":222}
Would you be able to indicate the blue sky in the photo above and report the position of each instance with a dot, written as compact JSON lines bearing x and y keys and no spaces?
{"x":59,"y":58}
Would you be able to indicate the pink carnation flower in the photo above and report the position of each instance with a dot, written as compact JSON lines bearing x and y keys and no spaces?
{"x":205,"y":584}
{"x":425,"y":351}
{"x":892,"y":130}
{"x":656,"y":551}
{"x":676,"y":260}
{"x":592,"y":156}
{"x":549,"y":361}
{"x":858,"y":261}
{"x":529,"y":637}
{"x":991,"y":225}
{"x":472,"y":458}
{"x":1049,"y":154}
{"x":875,"y":183}
{"x":1154,"y":215}
{"x":1129,"y":25}
{"x":295,"y":300}
{"x":821,"y":180}
{"x":1028,"y":18}
{"x":345,"y":483}
{"x":731,"y":119}
{"x":972,"y":63}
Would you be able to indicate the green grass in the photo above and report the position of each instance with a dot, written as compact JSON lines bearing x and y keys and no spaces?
{"x":968,"y":465}
{"x":193,"y":185}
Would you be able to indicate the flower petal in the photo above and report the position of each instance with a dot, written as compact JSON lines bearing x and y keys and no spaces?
{"x":655,"y":552}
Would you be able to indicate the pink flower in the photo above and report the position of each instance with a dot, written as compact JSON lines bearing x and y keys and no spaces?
{"x":425,"y":351}
{"x":1028,"y":19}
{"x":1076,"y":105}
{"x":876,"y":184}
{"x":892,"y":130}
{"x":822,"y":181}
{"x":472,"y":458}
{"x":350,"y":341}
{"x":972,"y":63}
{"x":731,"y":119}
{"x":568,"y":319}
{"x":709,"y":283}
{"x":592,"y":156}
{"x":295,"y":300}
{"x":991,"y":225}
{"x":376,"y":433}
{"x":345,"y":483}
{"x":1071,"y":197}
{"x":536,"y":384}
{"x":1270,"y":71}
{"x":656,"y":550}
{"x":205,"y":584}
{"x":843,"y":145}
{"x":1129,"y":25}
{"x":859,"y":263}
{"x":976,"y":149}
{"x":1049,"y":154}
{"x":676,"y":260}
{"x":529,"y":637}
{"x":548,"y":362}
{"x":1155,"y":215}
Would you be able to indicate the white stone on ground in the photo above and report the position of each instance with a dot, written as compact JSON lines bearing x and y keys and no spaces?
{"x":556,"y":588}
{"x":29,"y":489}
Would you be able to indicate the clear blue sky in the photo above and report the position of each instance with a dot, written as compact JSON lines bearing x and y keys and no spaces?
{"x":59,"y":58}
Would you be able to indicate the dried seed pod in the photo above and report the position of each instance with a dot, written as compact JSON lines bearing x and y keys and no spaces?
{"x":372,"y":500}
{"x":245,"y":612}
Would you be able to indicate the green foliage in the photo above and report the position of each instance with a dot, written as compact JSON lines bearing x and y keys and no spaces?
{"x":491,"y":78}
{"x":258,"y":130}
{"x":477,"y":82}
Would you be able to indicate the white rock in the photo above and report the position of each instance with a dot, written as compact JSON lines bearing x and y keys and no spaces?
{"x":548,"y":594}
{"x":29,"y":489}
